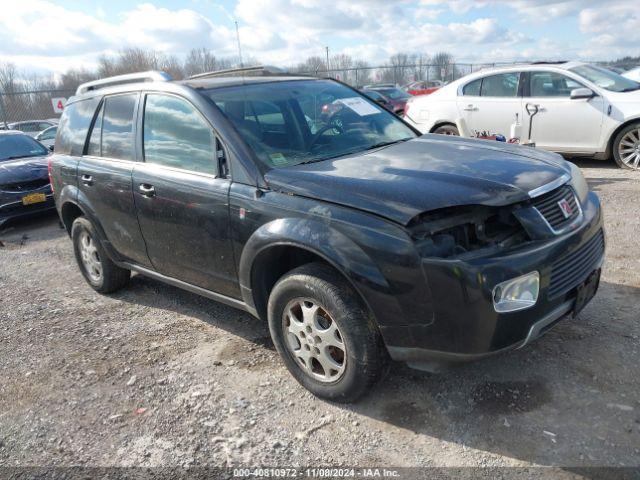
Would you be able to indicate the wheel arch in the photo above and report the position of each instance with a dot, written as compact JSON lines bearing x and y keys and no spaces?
{"x":69,"y":211}
{"x":614,"y":134}
{"x":282,"y":245}
{"x":442,"y":123}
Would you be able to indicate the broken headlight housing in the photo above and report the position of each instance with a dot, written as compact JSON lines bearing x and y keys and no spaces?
{"x":466,"y":230}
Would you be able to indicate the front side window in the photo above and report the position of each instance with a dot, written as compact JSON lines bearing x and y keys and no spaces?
{"x":176,"y":135}
{"x":74,"y":125}
{"x":117,"y":127}
{"x":287,"y":123}
{"x":502,"y":85}
{"x":551,"y":84}
{"x":606,"y":78}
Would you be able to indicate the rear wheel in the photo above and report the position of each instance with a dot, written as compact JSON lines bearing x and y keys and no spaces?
{"x":99,"y":271}
{"x":447,"y":129}
{"x":325,"y":337}
{"x":626,"y":147}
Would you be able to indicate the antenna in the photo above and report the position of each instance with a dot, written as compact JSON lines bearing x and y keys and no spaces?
{"x":239,"y":49}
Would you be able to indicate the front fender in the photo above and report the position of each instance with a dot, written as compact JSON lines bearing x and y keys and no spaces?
{"x":336,"y":248}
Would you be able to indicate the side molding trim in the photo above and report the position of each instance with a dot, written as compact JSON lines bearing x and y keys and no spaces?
{"x":232,"y":302}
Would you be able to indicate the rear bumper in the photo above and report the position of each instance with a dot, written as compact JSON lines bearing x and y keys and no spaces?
{"x":464,"y":325}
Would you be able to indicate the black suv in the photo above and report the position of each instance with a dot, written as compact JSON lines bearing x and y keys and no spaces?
{"x":305,"y":203}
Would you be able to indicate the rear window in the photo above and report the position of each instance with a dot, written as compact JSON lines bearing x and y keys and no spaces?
{"x":117,"y":127}
{"x":74,"y":125}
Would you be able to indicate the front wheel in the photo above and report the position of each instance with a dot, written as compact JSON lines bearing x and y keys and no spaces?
{"x":626,"y":147}
{"x":325,"y":337}
{"x":447,"y":130}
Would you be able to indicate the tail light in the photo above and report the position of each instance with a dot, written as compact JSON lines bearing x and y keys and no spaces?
{"x":49,"y":166}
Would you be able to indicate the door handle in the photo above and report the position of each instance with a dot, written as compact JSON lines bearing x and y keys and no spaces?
{"x":87,"y":179}
{"x":146,"y":189}
{"x":470,"y":108}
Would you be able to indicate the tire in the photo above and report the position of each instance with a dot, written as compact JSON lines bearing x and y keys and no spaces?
{"x":357,"y":350}
{"x":447,"y":129}
{"x":99,"y":271}
{"x":626,"y":147}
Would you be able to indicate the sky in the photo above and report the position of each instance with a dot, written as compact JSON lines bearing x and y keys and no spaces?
{"x":51,"y":36}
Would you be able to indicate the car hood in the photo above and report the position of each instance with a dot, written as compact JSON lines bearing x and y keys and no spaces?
{"x":430,"y":172}
{"x":23,"y":169}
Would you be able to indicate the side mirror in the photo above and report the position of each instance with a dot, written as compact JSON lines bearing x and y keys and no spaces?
{"x":51,"y":147}
{"x":578,"y":93}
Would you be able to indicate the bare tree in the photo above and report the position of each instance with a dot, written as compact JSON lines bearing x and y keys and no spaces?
{"x":200,"y":60}
{"x":443,"y":66}
{"x":312,"y":65}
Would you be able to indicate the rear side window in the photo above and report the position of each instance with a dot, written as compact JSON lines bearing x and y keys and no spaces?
{"x":472,"y":89}
{"x":117,"y":127}
{"x":503,"y":85}
{"x":176,"y":135}
{"x":74,"y":125}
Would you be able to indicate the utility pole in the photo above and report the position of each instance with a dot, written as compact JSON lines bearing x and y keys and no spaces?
{"x":327,"y":51}
{"x":239,"y":49}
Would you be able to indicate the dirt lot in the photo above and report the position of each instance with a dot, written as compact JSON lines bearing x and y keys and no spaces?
{"x":155,"y":376}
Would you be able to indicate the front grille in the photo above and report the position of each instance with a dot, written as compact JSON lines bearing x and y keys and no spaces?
{"x":20,"y":187}
{"x":548,"y":205}
{"x":570,"y":271}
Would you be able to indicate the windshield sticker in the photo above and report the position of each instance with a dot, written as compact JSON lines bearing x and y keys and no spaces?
{"x":359,"y":105}
{"x":278,"y":159}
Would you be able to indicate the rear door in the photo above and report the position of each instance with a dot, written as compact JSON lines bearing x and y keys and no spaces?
{"x":104,"y":175}
{"x":489,"y":105}
{"x":563,"y":124}
{"x":181,"y":198}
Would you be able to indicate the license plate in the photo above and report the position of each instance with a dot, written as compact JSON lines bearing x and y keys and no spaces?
{"x":34,"y":198}
{"x":586,"y":291}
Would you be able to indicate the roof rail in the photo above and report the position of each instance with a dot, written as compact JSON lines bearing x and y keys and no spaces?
{"x":549,"y":62}
{"x":150,"y":76}
{"x":264,"y":70}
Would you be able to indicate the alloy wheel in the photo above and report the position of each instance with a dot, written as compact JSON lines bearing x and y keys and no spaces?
{"x":90,"y":257}
{"x":314,"y":340}
{"x":629,"y":149}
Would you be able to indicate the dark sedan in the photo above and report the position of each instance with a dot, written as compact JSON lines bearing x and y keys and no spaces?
{"x":396,"y":98}
{"x":24,"y":179}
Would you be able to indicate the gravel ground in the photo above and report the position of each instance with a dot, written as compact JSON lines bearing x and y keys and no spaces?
{"x":155,"y":376}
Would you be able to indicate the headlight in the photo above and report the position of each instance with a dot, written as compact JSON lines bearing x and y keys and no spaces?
{"x":578,"y":182}
{"x":516,"y":294}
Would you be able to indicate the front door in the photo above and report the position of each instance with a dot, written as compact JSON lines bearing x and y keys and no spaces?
{"x":491,"y":104}
{"x":104,"y":176}
{"x":563,"y":124}
{"x":181,"y":200}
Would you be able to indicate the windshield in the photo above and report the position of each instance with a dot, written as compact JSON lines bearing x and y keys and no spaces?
{"x":18,"y":146}
{"x":606,"y":78}
{"x":301,"y":121}
{"x":394,"y":93}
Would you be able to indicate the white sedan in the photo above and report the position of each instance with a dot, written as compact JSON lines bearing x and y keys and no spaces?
{"x":575,"y":109}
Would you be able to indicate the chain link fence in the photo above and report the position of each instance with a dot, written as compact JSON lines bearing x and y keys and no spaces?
{"x":20,"y":106}
{"x":29,"y":105}
{"x":404,"y":74}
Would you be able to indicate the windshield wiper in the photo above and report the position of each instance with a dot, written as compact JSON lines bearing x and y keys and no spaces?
{"x":631,"y":89}
{"x":355,"y":150}
{"x":385,"y":144}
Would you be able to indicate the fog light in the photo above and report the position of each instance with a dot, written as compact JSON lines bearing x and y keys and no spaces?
{"x":516,"y":294}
